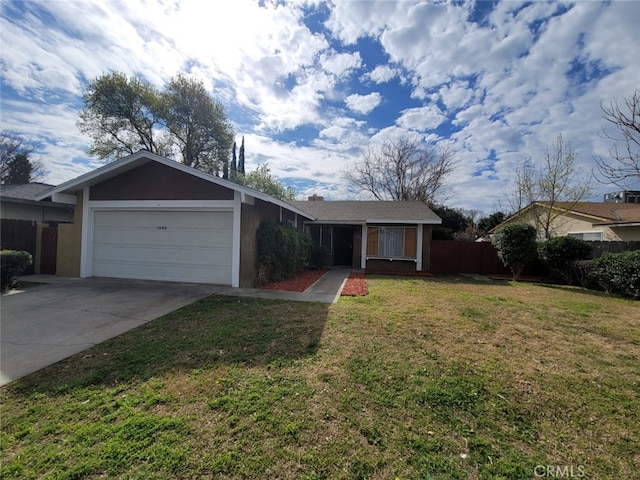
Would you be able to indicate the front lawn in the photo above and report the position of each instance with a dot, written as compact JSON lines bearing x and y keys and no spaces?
{"x":442,"y":378}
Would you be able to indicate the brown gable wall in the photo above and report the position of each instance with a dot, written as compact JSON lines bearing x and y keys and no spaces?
{"x":154,"y":181}
{"x":252,"y":217}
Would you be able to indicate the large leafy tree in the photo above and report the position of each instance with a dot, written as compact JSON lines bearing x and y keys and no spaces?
{"x":485,"y":224}
{"x":17,"y":164}
{"x":261,"y":179}
{"x":125,"y":114}
{"x":121,"y":115}
{"x":198,"y":124}
{"x":403,"y":169}
{"x":454,"y":222}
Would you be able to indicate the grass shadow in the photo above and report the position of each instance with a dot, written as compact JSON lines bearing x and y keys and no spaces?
{"x":208,"y":333}
{"x":582,"y":291}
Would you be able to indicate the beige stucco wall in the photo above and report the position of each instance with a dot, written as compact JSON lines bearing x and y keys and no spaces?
{"x":70,"y":244}
{"x":627,"y":234}
{"x":565,"y":224}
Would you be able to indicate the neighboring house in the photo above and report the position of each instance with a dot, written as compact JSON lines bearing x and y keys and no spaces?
{"x":148,"y":217}
{"x":602,"y":221}
{"x":19,"y":202}
{"x":372,"y":235}
{"x":30,"y":224}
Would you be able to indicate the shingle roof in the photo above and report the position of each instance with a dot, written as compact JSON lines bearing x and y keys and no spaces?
{"x":26,"y":191}
{"x":606,"y":212}
{"x":347,"y":211}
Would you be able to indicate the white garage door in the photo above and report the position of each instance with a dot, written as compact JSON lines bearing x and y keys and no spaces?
{"x":181,"y":246}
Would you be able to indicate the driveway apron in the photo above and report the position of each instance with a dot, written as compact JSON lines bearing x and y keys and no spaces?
{"x":45,"y":324}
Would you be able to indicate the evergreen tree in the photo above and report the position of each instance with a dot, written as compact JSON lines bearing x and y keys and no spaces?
{"x":18,"y":170}
{"x":234,"y":169}
{"x":241,"y":158}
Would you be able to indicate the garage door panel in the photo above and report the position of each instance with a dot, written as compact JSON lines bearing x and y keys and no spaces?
{"x":176,"y":219}
{"x":191,"y":246}
{"x":144,"y":237}
{"x":156,"y":272}
{"x":164,"y":255}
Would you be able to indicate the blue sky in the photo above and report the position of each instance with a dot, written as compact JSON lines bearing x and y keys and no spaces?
{"x":311,"y":84}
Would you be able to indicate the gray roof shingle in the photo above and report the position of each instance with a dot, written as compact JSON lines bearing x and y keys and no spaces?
{"x":26,"y":191}
{"x":356,"y":211}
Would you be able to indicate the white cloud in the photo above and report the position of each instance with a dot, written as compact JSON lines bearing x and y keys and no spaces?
{"x":503,"y":84}
{"x":363,"y":104}
{"x":340,"y":64}
{"x":421,"y":118}
{"x":382,"y":74}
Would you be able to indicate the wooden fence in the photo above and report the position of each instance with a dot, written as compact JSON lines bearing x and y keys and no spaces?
{"x":19,"y":235}
{"x":602,"y":247}
{"x":452,"y":256}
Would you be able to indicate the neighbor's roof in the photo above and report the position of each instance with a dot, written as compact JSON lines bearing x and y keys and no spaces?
{"x":25,"y":191}
{"x":348,"y":211}
{"x":599,"y":213}
{"x":606,"y":212}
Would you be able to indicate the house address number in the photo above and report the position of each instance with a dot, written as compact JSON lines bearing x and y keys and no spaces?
{"x":161,"y":227}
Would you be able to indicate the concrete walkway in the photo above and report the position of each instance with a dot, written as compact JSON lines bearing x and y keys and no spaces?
{"x":326,"y":290}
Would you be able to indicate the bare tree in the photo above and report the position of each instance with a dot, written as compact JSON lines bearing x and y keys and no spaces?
{"x":550,"y":189}
{"x":402,"y":169}
{"x":14,"y":150}
{"x":624,"y":166}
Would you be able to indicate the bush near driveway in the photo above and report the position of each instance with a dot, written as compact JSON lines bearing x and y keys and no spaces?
{"x":12,"y":264}
{"x":283,"y":252}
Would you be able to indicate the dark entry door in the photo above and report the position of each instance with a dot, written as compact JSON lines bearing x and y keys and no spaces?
{"x":49,"y":251}
{"x":343,"y":246}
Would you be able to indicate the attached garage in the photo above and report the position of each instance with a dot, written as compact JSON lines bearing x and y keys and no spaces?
{"x":150,"y":218}
{"x":183,"y":246}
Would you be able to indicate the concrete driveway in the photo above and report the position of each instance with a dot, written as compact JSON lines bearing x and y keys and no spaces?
{"x":45,"y":324}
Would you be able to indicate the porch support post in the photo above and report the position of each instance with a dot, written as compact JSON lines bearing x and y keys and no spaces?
{"x":420,"y":231}
{"x":363,"y":254}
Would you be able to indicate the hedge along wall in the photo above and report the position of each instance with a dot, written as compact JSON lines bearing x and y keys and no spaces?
{"x":602,"y":247}
{"x":283,"y":252}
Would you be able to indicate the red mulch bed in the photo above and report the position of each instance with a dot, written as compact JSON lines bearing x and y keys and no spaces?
{"x":356,"y":285}
{"x":298,"y":284}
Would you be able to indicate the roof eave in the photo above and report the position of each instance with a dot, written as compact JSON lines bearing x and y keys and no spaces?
{"x":140,"y":158}
{"x":423,"y":221}
{"x":618,"y":224}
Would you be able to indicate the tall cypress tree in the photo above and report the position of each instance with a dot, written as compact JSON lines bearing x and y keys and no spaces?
{"x":233,"y":173}
{"x":225,"y":169}
{"x":241,"y":158}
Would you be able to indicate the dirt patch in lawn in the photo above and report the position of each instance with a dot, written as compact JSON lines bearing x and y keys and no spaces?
{"x":297,"y":284}
{"x":356,"y":285}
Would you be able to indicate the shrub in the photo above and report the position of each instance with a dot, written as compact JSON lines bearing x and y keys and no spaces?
{"x":282,"y":252}
{"x":516,"y":245}
{"x":318,"y":257}
{"x":561,"y":253}
{"x":618,"y":273}
{"x":13,"y":263}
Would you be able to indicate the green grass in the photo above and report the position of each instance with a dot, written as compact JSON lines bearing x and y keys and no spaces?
{"x":443,"y":378}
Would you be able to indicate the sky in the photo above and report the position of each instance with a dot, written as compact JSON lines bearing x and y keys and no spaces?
{"x":311,"y":85}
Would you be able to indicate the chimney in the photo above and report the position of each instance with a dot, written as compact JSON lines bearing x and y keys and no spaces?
{"x":315,"y":198}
